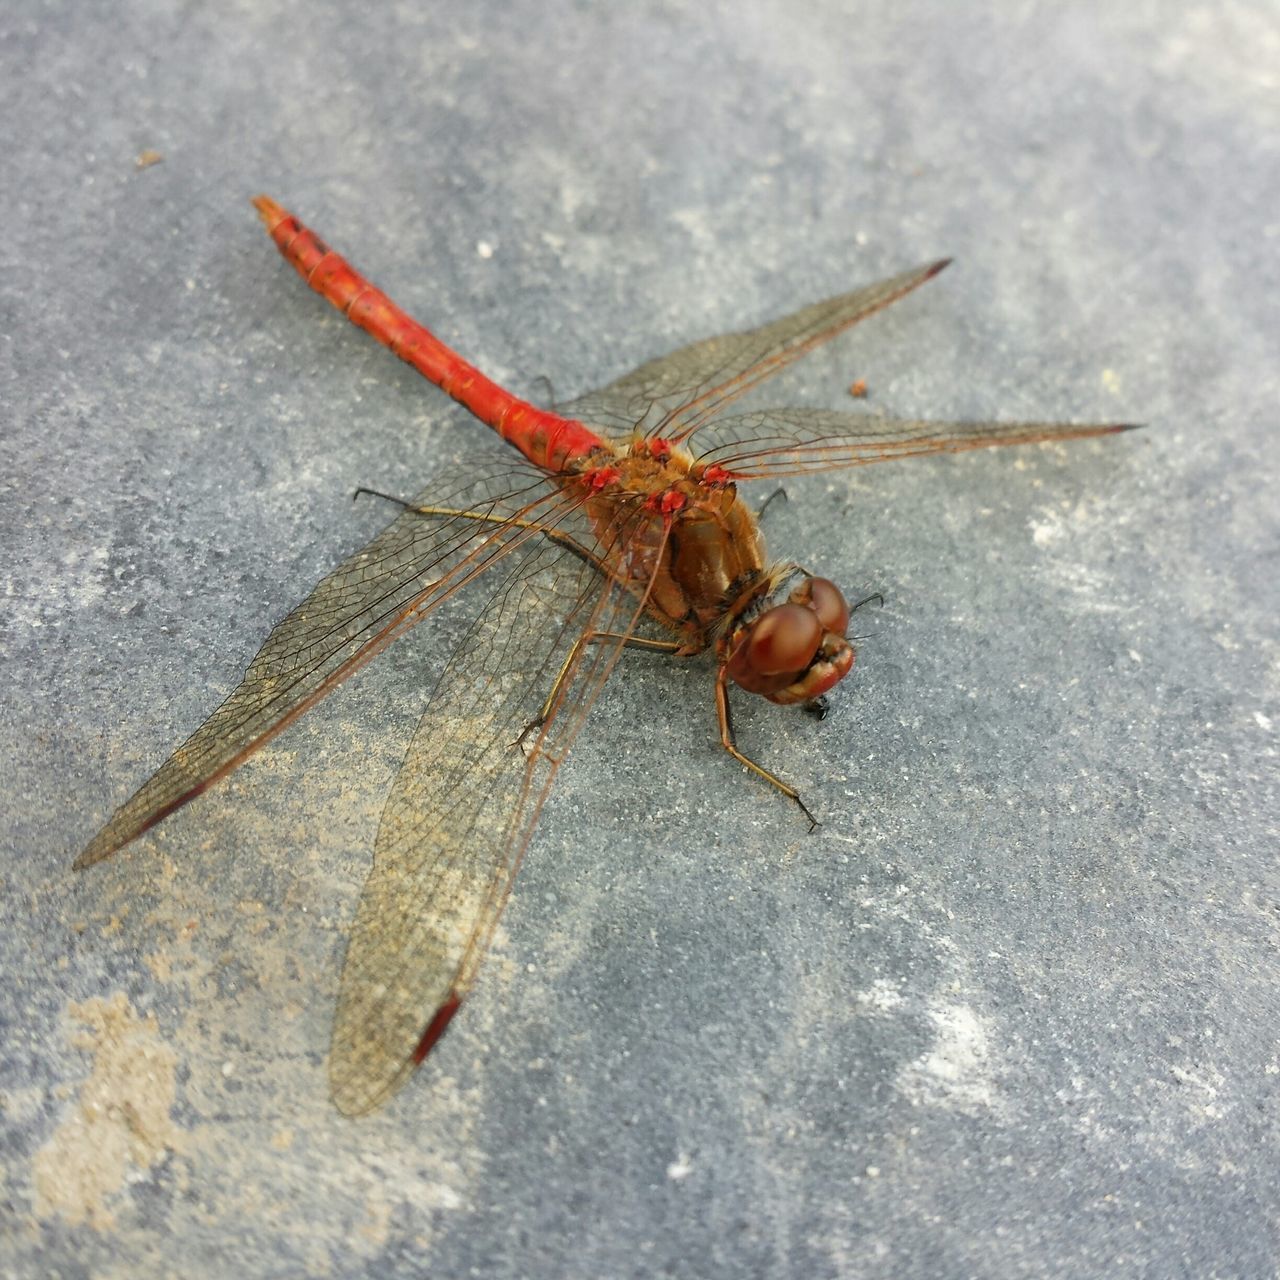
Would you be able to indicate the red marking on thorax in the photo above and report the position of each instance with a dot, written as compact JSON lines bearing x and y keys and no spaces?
{"x":668,"y":502}
{"x":716,"y":475}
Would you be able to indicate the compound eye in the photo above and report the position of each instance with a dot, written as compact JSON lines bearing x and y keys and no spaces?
{"x":825,"y":599}
{"x":784,"y":640}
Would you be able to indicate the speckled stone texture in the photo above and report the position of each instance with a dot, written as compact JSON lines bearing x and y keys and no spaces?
{"x":1011,"y":1011}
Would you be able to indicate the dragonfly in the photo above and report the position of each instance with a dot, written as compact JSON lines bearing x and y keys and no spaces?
{"x":618,"y":521}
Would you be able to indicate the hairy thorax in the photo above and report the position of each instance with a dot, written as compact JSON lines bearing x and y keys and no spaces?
{"x":698,"y":543}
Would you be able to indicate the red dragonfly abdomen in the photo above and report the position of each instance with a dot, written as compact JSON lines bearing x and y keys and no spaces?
{"x":546,"y":439}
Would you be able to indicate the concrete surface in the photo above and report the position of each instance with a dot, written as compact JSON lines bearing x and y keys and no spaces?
{"x":1012,"y":1010}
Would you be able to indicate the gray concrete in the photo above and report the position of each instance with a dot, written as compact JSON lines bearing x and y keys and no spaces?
{"x":1012,"y":1010}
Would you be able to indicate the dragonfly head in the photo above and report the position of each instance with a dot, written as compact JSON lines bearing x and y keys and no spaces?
{"x":793,"y":650}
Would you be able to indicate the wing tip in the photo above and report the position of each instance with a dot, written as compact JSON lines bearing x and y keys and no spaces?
{"x":99,"y":848}
{"x":934,"y":268}
{"x":354,"y":1095}
{"x":124,"y":828}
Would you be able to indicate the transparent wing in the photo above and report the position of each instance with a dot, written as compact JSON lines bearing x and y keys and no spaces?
{"x":372,"y":597}
{"x":404,"y":573}
{"x":789,"y":442}
{"x":677,"y":392}
{"x":465,"y":803}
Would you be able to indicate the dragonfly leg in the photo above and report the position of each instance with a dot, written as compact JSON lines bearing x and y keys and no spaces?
{"x":779,"y":492}
{"x":726,"y":741}
{"x":488,"y":517}
{"x":590,"y":637}
{"x":363,"y":492}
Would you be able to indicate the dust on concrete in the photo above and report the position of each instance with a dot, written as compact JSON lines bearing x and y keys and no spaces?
{"x":957,"y":1071}
{"x":243,"y":968}
{"x":121,"y":1123}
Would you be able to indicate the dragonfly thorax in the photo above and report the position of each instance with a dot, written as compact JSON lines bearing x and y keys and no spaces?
{"x":696,"y":551}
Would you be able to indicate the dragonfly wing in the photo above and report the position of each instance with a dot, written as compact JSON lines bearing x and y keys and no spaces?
{"x":789,"y":442}
{"x":679,"y":391}
{"x":463,"y":807}
{"x":372,"y":597}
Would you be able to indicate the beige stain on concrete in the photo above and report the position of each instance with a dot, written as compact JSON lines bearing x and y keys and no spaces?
{"x":250,"y":982}
{"x":120,"y":1126}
